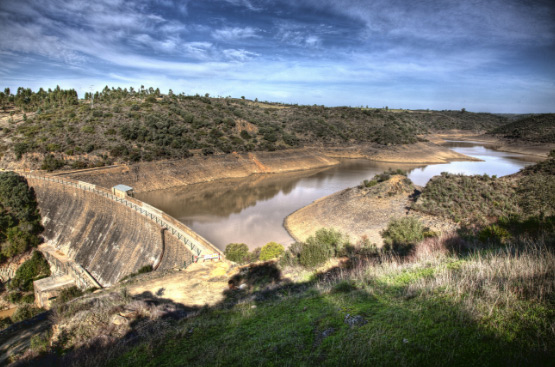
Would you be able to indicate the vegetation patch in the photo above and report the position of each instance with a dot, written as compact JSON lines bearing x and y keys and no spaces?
{"x":129,"y":125}
{"x":19,"y":216}
{"x":535,"y":128}
{"x":271,"y":250}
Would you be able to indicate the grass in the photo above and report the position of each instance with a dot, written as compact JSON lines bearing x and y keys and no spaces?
{"x":488,"y":307}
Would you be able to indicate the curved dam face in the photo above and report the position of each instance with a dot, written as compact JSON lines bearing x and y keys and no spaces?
{"x":107,"y":238}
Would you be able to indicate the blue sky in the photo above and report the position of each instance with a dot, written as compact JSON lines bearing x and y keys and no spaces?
{"x":494,"y":56}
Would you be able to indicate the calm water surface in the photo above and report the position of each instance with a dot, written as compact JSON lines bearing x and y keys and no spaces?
{"x":252,"y":209}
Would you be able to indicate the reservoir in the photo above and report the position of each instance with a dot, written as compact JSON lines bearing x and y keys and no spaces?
{"x":251,"y":210}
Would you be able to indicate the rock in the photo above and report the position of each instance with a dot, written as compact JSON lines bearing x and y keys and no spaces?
{"x":129,"y":314}
{"x":356,"y":320}
{"x":243,"y":286}
{"x":118,"y":320}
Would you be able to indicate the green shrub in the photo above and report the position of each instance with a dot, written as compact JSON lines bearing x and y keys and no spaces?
{"x":313,"y":255}
{"x":494,"y":234}
{"x":28,"y":298}
{"x":14,"y":297}
{"x":237,"y":252}
{"x":291,"y":256}
{"x":367,"y":248}
{"x":51,"y":163}
{"x":40,"y":342}
{"x":271,"y":250}
{"x":401,"y":234}
{"x":18,"y":242}
{"x":253,"y":256}
{"x":68,"y":294}
{"x":33,"y":269}
{"x":368,"y":183}
{"x":5,"y":322}
{"x":145,"y":269}
{"x":25,"y":312}
{"x":330,"y":239}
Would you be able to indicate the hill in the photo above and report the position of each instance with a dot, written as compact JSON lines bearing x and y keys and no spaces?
{"x":55,"y":129}
{"x":535,"y":128}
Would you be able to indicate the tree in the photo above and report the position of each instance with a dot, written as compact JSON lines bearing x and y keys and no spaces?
{"x":237,"y":252}
{"x":271,"y":250}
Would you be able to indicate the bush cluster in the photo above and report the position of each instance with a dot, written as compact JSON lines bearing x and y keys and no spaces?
{"x":33,"y":269}
{"x":270,"y":251}
{"x":239,"y":252}
{"x":402,"y":234}
{"x":382,"y":177}
{"x":19,"y":216}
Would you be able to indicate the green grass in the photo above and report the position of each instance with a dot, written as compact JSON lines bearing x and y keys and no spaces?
{"x":434,"y":311}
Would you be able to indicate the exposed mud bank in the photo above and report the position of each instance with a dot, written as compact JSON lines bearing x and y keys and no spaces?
{"x":419,"y":153}
{"x":540,"y":150}
{"x":144,"y":177}
{"x":160,"y":175}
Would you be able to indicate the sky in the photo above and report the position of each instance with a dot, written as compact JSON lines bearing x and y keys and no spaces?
{"x":481,"y":55}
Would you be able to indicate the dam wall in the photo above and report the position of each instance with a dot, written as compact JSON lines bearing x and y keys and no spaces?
{"x":111,"y":237}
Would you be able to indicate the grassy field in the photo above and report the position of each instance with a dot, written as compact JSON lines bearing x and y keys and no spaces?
{"x":486,"y":308}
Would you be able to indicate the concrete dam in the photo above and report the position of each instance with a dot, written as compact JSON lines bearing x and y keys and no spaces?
{"x":107,"y":237}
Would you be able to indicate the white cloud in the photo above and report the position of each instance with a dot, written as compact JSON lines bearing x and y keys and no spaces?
{"x":245,"y":3}
{"x":239,"y":55}
{"x":234,"y":33}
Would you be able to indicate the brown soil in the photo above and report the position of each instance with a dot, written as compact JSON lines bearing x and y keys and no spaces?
{"x":200,"y":284}
{"x":360,"y":212}
{"x":418,"y":153}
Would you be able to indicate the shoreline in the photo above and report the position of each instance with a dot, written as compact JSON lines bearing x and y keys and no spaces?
{"x":161,"y":175}
{"x":540,"y":150}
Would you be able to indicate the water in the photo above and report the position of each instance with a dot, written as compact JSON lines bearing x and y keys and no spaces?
{"x":251,"y":210}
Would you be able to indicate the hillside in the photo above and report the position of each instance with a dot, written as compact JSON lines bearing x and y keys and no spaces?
{"x":535,"y":128}
{"x":481,"y":199}
{"x":55,"y":129}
